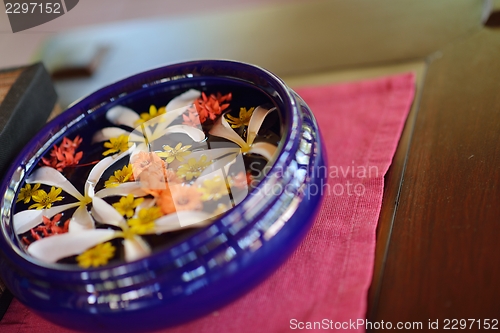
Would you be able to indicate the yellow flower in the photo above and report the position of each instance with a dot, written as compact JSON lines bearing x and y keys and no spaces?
{"x":45,"y":200}
{"x":27,"y":192}
{"x":145,"y":221}
{"x":127,"y":204}
{"x":193,"y":168}
{"x":221,"y":208}
{"x":242,"y":120}
{"x":213,"y":189}
{"x":119,"y":177}
{"x":153,"y":112}
{"x":117,"y":145}
{"x":177,"y":153}
{"x":97,"y":256}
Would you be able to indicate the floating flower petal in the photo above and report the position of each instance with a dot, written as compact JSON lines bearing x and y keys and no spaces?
{"x":181,"y":220}
{"x":54,"y":248}
{"x":222,"y":129}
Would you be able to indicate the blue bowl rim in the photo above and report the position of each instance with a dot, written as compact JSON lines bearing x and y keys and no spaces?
{"x":149,"y":78}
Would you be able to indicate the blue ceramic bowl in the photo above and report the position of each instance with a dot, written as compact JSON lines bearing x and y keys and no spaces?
{"x":208,"y":269}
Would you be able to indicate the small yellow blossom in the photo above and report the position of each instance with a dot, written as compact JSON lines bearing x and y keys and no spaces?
{"x":27,"y":192}
{"x":127,"y":204}
{"x":119,"y":177}
{"x":242,"y":120}
{"x":193,"y":168}
{"x":97,"y":256}
{"x":221,"y":209}
{"x":153,"y":112}
{"x":45,"y":200}
{"x":177,"y":153}
{"x":145,"y":221}
{"x":213,"y":189}
{"x":117,"y":145}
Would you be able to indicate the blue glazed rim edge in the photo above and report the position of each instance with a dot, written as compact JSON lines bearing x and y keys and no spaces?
{"x":257,"y":267}
{"x":87,"y":105}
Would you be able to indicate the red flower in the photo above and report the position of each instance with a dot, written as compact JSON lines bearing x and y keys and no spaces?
{"x":242,"y":179}
{"x":65,"y":155}
{"x":209,"y":108}
{"x":49,"y":228}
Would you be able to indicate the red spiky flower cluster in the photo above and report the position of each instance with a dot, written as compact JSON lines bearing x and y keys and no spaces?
{"x":47,"y":229}
{"x":205,"y":109}
{"x":65,"y":155}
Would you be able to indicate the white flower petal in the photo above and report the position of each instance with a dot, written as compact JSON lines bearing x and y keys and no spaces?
{"x":238,"y":161}
{"x":105,"y":213}
{"x":258,"y":116}
{"x":27,"y":219}
{"x":59,"y":209}
{"x":142,"y":133}
{"x":52,"y":177}
{"x":109,"y":132}
{"x":142,"y":147}
{"x":163,"y":121}
{"x":147,"y":203}
{"x":181,"y":220}
{"x":222,"y":129}
{"x":100,"y":168}
{"x":195,"y":134}
{"x":135,"y":249}
{"x":183,"y":100}
{"x":53,"y":248}
{"x":238,"y":193}
{"x":194,"y":219}
{"x":81,"y":220}
{"x":224,"y":162}
{"x":122,"y":190}
{"x":120,"y":115}
{"x":265,"y":149}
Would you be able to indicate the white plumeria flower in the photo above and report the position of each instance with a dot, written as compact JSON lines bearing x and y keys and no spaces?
{"x":145,"y":134}
{"x":56,"y":247}
{"x":222,"y":129}
{"x":81,"y":219}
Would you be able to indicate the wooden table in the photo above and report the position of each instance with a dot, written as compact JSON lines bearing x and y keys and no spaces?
{"x":438,"y":248}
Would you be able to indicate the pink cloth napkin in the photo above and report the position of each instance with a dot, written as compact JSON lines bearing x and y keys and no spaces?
{"x":327,"y":278}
